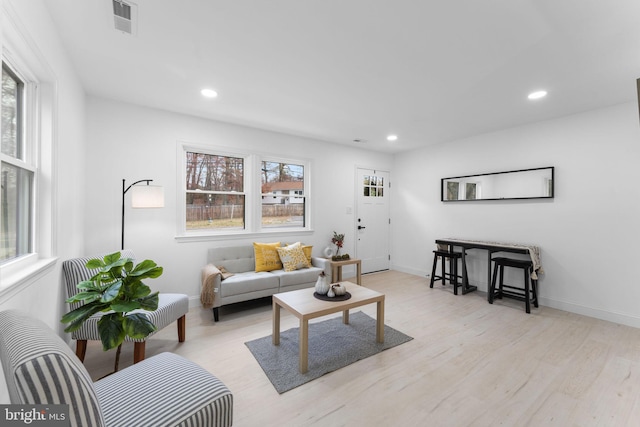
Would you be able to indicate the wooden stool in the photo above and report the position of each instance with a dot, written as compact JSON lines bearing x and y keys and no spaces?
{"x":530,"y":292}
{"x":452,"y":275}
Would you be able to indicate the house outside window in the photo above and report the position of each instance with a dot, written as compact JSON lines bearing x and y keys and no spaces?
{"x":17,"y":171}
{"x":285,"y":181}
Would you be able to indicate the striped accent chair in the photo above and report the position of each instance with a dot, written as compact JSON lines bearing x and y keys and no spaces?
{"x":164,"y":390}
{"x":171,"y":307}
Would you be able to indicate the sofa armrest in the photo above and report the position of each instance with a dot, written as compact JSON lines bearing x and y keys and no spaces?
{"x":322,"y":263}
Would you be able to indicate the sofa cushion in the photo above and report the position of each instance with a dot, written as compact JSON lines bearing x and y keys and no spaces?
{"x":267,"y":258}
{"x":293,"y":257}
{"x":307,"y":249}
{"x":242,"y":283}
{"x":297,"y":277}
{"x":236,"y":259}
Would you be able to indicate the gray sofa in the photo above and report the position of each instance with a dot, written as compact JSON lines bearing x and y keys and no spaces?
{"x":245,"y":283}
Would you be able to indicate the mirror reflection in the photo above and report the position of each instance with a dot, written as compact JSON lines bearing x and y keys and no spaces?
{"x":520,"y":184}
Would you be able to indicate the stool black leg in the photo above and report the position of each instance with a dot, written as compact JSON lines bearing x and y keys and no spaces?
{"x":492,"y":288}
{"x":454,"y":271}
{"x":501,"y":283}
{"x":444,"y":272}
{"x":433,"y":270}
{"x":527,"y":295}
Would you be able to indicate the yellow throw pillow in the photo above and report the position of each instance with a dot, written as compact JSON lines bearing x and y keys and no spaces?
{"x":267,"y":258}
{"x":293,"y":257}
{"x":307,"y":252}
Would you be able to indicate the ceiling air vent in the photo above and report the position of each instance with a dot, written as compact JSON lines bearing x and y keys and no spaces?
{"x":124,"y":16}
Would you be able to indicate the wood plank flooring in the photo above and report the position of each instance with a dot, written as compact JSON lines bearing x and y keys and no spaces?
{"x":470,"y":364}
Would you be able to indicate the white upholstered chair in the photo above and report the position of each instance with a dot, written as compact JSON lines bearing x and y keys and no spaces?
{"x":171,"y":308}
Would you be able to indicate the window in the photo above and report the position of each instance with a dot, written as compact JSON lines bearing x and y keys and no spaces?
{"x":470,"y":191}
{"x":373,"y":186}
{"x":241,"y":193}
{"x":215,"y":198}
{"x":452,"y":190}
{"x":17,"y":171}
{"x":286,"y":182}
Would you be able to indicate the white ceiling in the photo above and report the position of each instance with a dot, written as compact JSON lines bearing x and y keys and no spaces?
{"x":338,"y":70}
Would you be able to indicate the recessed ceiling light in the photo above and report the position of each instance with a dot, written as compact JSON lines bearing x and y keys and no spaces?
{"x":392,"y":137}
{"x":538,"y":94}
{"x":209,"y":93}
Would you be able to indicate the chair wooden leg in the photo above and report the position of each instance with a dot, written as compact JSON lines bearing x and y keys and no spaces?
{"x":138,"y":351}
{"x":182,"y":323}
{"x":81,"y":349}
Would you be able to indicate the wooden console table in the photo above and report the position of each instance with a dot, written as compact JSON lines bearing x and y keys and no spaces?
{"x":492,"y":247}
{"x":336,"y":269}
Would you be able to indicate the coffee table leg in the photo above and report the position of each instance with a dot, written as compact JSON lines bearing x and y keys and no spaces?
{"x":359,"y":272}
{"x":304,"y":345}
{"x":380,"y":322}
{"x":345,"y":317}
{"x":275,"y":336}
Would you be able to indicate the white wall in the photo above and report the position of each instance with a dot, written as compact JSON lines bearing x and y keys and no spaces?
{"x":131,"y":142}
{"x":42,"y":296}
{"x":588,"y":233}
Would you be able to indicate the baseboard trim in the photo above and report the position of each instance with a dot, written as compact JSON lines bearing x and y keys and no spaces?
{"x":621,"y":318}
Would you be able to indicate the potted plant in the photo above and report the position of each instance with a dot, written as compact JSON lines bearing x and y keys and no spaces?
{"x":117,"y":290}
{"x":338,"y":240}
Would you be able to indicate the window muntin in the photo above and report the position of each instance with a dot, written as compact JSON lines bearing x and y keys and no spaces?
{"x":283,"y":200}
{"x":17,"y":175}
{"x":215,"y":198}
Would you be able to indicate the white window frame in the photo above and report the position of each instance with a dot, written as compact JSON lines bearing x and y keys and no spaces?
{"x":252,"y":191}
{"x":306,"y":165}
{"x":40,"y":99}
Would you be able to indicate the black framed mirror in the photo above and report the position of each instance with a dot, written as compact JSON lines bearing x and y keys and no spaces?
{"x":536,"y":183}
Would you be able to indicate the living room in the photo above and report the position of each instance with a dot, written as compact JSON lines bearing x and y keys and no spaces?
{"x":586,"y":232}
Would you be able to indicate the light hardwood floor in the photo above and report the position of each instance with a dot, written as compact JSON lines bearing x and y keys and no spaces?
{"x":470,"y":363}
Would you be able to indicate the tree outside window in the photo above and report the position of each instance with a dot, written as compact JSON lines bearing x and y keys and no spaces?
{"x":215,"y":196}
{"x":16,"y":173}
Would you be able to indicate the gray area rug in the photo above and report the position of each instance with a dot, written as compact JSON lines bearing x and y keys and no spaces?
{"x":332,"y":345}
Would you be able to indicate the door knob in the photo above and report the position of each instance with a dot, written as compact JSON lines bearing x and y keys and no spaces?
{"x":361,"y":227}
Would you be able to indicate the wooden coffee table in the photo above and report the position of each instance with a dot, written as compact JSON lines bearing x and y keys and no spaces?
{"x":305,"y":306}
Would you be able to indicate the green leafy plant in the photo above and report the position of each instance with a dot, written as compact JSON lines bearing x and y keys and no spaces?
{"x":117,"y":290}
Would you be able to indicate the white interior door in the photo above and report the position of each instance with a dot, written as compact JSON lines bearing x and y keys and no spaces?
{"x":372,"y":219}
